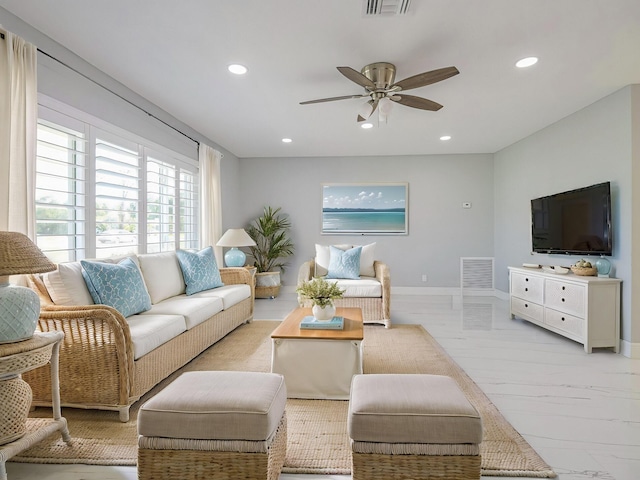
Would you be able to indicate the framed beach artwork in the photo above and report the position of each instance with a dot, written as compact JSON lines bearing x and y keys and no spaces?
{"x":365,"y":208}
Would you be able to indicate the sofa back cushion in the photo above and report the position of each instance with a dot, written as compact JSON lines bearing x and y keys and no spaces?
{"x":118,"y":285}
{"x":344,"y":263}
{"x":162,"y":275}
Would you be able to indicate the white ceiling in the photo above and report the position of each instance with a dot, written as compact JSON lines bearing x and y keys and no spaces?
{"x":175,"y":54}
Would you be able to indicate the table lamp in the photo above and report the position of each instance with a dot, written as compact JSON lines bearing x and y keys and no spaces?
{"x":19,"y":306}
{"x":234,"y":238}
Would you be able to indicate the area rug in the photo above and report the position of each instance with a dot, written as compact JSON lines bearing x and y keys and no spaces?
{"x":317,"y":432}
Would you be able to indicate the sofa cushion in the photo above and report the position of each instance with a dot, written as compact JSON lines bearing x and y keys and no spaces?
{"x":118,"y":285}
{"x":229,"y":294}
{"x":150,"y":331}
{"x":200,"y":270}
{"x":344,"y":263}
{"x":162,"y":275}
{"x":364,"y":287}
{"x":367,"y":258}
{"x":194,"y":310}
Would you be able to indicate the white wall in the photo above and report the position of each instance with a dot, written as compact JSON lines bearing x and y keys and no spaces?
{"x":591,"y":146}
{"x":440,"y":230}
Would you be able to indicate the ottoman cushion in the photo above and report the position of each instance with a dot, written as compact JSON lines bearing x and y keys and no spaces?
{"x":411,"y":408}
{"x":216,"y":406}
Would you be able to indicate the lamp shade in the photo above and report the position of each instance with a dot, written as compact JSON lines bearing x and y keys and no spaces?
{"x":235,"y":237}
{"x":19,"y":306}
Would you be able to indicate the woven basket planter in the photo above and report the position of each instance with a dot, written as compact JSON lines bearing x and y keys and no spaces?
{"x":267,"y":284}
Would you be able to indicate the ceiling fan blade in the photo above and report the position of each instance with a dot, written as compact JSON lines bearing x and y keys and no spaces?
{"x":416,"y":102}
{"x":426,"y":78}
{"x":357,"y":77}
{"x":331,"y":99}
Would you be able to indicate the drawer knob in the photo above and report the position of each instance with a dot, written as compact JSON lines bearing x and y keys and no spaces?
{"x":562,"y":299}
{"x":562,"y":288}
{"x":526,"y":289}
{"x":526,"y":279}
{"x":562,"y":318}
{"x":526,"y":305}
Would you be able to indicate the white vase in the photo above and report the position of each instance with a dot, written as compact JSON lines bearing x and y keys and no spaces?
{"x":323,"y":314}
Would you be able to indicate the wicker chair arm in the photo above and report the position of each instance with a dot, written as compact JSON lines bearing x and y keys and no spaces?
{"x":384,"y":277}
{"x":305,"y":273}
{"x":96,"y":356}
{"x":237,"y":276}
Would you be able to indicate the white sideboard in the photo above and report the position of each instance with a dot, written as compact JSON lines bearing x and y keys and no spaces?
{"x":584,"y":309}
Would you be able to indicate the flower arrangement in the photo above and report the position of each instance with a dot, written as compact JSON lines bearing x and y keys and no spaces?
{"x":321,"y":292}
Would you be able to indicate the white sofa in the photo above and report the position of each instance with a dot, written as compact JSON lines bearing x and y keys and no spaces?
{"x":370,"y":291}
{"x":108,"y":361}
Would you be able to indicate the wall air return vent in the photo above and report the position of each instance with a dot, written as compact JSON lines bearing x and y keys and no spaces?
{"x":476,"y":275}
{"x":386,"y":7}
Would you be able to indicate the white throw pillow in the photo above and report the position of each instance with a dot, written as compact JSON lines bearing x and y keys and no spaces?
{"x":322,"y":258}
{"x":66,"y":286}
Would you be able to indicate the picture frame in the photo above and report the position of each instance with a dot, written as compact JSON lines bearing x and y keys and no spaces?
{"x":365,"y":209}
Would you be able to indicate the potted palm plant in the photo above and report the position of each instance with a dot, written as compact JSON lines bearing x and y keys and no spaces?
{"x":321,"y":294}
{"x":270,"y":231}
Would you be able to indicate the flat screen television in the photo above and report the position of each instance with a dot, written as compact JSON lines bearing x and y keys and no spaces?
{"x":577,"y":222}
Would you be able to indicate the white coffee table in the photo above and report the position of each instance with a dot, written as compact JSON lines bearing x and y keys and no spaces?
{"x":318,"y":364}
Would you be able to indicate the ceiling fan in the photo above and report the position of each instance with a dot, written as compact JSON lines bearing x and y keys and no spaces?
{"x":378,"y":81}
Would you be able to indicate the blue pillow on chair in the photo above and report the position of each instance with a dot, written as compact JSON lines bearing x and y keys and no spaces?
{"x":119,"y":285}
{"x":344,"y":263}
{"x":200,"y":270}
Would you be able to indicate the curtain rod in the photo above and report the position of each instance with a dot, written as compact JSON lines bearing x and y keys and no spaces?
{"x":116,"y":94}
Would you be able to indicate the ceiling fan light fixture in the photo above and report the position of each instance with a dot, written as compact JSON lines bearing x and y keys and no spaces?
{"x":237,"y":69}
{"x":286,"y":140}
{"x":367,"y":125}
{"x":526,"y":62}
{"x":444,"y":138}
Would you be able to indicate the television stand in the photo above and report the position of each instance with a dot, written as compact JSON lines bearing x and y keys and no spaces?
{"x":584,"y":309}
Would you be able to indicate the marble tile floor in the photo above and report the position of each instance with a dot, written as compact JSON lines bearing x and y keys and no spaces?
{"x":580,"y":412}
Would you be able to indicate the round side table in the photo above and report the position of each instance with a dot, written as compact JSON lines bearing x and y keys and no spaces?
{"x":17,"y":432}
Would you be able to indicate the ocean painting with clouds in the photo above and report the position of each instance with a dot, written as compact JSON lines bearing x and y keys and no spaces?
{"x":373,"y":208}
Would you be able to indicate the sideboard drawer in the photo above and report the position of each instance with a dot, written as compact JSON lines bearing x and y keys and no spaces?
{"x":566,"y":297}
{"x":529,"y":287}
{"x":564,"y":321}
{"x":527,"y":308}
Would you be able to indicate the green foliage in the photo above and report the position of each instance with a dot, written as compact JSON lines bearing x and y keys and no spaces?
{"x":320,"y":291}
{"x":271,"y":234}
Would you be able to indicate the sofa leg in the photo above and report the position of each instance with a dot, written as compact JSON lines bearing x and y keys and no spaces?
{"x":124,"y":414}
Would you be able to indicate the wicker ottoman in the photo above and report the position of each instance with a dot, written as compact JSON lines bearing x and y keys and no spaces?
{"x":412,"y":427}
{"x":223,"y":425}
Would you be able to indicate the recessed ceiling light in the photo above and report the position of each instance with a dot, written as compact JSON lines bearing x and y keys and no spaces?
{"x":445,"y":137}
{"x":286,"y":140}
{"x":237,"y":69}
{"x":367,"y":125}
{"x":526,"y":62}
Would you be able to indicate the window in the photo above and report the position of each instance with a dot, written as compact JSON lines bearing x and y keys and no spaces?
{"x":101,"y":192}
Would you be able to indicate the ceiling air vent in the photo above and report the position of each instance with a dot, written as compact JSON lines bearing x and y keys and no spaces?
{"x":386,"y":7}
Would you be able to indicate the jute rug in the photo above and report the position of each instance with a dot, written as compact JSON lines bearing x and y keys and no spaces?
{"x":317,"y":433}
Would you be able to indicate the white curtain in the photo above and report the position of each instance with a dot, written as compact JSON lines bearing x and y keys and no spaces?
{"x":210,"y":199}
{"x":18,"y":128}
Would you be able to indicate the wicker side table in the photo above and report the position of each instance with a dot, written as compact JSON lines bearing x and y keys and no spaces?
{"x":19,"y":433}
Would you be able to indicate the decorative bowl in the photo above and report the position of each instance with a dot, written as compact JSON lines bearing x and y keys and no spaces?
{"x":585,"y":272}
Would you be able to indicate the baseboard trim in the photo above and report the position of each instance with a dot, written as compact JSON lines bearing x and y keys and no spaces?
{"x":629,"y":349}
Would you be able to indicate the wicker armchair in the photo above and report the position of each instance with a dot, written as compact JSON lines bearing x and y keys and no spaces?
{"x":375,"y":310}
